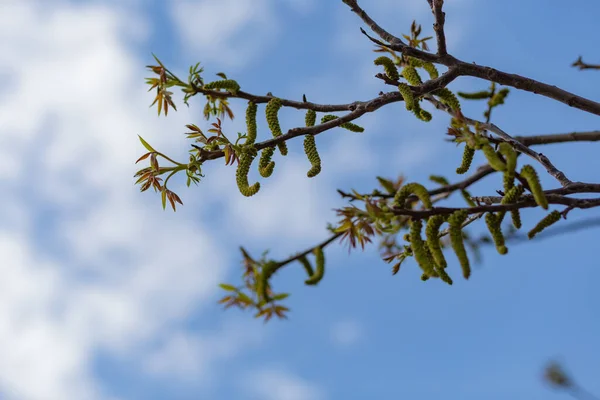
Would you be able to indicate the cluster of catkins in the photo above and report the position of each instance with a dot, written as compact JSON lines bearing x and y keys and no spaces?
{"x":247,"y":152}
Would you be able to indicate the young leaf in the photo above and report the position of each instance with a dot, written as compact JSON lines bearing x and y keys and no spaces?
{"x":146,"y":145}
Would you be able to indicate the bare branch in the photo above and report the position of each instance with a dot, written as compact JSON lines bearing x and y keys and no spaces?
{"x":478,"y":71}
{"x":591,"y":136}
{"x":528,"y":202}
{"x":582,"y":65}
{"x":542,"y":159}
{"x":358,"y":108}
{"x":438,"y":26}
{"x":516,"y":144}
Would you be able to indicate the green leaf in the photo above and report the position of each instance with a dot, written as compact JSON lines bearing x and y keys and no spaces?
{"x":146,"y":145}
{"x":228,"y":287}
{"x":280,"y":296}
{"x":387,"y":185}
{"x":164,"y":198}
{"x":243,"y":297}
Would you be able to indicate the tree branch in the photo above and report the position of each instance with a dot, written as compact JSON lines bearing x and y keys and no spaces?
{"x":438,"y":26}
{"x":591,"y":136}
{"x":516,"y":144}
{"x":582,"y":65}
{"x":528,"y":202}
{"x":478,"y":71}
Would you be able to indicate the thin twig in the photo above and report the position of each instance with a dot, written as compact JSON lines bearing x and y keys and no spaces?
{"x":582,"y":65}
{"x":516,"y":144}
{"x":541,"y":158}
{"x":591,"y":136}
{"x":358,"y":108}
{"x":527,"y":203}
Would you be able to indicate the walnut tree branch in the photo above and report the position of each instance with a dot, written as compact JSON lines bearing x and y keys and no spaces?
{"x":528,"y":202}
{"x":438,"y":26}
{"x":582,"y":65}
{"x":475,"y":70}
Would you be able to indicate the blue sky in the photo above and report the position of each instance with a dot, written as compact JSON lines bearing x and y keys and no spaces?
{"x":105,"y":296}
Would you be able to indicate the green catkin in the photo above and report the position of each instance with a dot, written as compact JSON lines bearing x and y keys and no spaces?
{"x":492,"y":157}
{"x":456,"y":240}
{"x":439,"y":179}
{"x":431,"y":70}
{"x":268,"y":269}
{"x":420,"y":113}
{"x":419,"y":248}
{"x":435,"y":273}
{"x":306,"y":265}
{"x":407,"y":95}
{"x":511,"y":196}
{"x":412,"y":188}
{"x":444,"y":276}
{"x":493,"y":224}
{"x":424,"y":115}
{"x":271,"y":112}
{"x":467,"y":159}
{"x":498,"y":98}
{"x":432,"y":232}
{"x":228,"y":84}
{"x":310,"y":118}
{"x":516,"y":218}
{"x":265,"y":165}
{"x":548,"y":220}
{"x":251,"y":122}
{"x":388,"y":66}
{"x":346,"y":125}
{"x":427,"y":66}
{"x":320,"y":267}
{"x":532,"y":179}
{"x":484,"y":94}
{"x":510,"y":156}
{"x":310,"y":148}
{"x":448,"y":98}
{"x":412,"y":76}
{"x":241,"y":174}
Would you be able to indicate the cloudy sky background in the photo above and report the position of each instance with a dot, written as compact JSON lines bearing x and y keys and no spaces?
{"x":105,"y":296}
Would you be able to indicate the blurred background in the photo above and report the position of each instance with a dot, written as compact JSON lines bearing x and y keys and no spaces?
{"x":103,"y":295}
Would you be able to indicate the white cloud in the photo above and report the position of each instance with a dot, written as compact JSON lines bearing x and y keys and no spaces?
{"x":35,"y":346}
{"x":276,"y":384}
{"x":228,"y":31}
{"x":346,"y":333}
{"x":193,"y":356}
{"x":123,"y":272}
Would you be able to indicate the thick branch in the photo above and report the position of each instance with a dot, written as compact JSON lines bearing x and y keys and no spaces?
{"x":438,"y":26}
{"x":479,"y":71}
{"x":358,"y":109}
